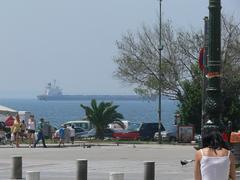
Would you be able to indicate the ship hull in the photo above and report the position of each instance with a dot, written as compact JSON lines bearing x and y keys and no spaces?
{"x":88,"y":97}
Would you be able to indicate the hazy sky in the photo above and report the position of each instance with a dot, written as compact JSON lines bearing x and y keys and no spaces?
{"x":73,"y":41}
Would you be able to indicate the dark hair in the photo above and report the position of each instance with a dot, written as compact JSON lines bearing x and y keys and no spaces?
{"x":72,"y":126}
{"x":213,"y":139}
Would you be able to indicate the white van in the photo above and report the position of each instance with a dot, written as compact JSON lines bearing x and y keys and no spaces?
{"x":86,"y":125}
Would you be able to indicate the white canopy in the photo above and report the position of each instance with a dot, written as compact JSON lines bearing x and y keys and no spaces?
{"x":7,"y":111}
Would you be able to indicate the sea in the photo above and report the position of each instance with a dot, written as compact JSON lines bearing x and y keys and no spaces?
{"x":58,"y":112}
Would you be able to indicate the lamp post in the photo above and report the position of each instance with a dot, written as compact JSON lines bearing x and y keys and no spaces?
{"x":160,"y":48}
{"x":213,"y":101}
{"x":204,"y":72}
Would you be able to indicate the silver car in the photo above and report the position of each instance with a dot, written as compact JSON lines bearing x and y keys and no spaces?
{"x":166,"y":136}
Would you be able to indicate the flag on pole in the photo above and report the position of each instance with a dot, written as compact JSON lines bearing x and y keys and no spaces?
{"x":201,"y":63}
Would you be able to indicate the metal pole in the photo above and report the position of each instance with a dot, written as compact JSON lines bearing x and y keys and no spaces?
{"x":204,"y":72}
{"x":16,"y":167}
{"x":81,"y":169}
{"x":159,"y":73}
{"x":149,"y":170}
{"x":213,"y":101}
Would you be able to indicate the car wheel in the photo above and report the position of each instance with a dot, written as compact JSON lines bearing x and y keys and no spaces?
{"x":172,"y":139}
{"x":136,"y":139}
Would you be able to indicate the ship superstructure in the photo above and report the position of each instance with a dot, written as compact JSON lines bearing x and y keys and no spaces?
{"x":53,"y":90}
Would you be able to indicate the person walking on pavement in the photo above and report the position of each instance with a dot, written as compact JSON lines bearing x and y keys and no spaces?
{"x":40,"y":135}
{"x":72,"y":133}
{"x":31,"y":126}
{"x":23,"y":130}
{"x":16,"y":130}
{"x":62,"y":131}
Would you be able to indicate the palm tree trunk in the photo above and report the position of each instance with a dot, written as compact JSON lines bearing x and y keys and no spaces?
{"x":99,"y":133}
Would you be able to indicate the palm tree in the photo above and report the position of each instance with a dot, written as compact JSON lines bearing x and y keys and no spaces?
{"x":101,"y":115}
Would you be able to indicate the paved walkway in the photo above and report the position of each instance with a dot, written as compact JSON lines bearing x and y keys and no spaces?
{"x":60,"y":163}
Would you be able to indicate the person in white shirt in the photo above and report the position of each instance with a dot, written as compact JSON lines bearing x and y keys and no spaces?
{"x":72,"y":133}
{"x":31,"y":128}
{"x":214,"y":161}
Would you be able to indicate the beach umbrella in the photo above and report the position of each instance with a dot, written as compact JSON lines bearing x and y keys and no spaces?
{"x":9,"y":121}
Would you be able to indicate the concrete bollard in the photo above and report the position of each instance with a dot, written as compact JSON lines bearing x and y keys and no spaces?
{"x":81,"y":169}
{"x":116,"y":176}
{"x":16,"y":167}
{"x":149,"y":170}
{"x":32,"y":175}
{"x":238,"y":175}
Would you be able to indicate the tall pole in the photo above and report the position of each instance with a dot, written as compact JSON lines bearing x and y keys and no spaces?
{"x":204,"y":72}
{"x":213,"y":101}
{"x":159,"y":72}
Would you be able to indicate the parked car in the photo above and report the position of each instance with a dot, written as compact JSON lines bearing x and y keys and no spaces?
{"x":126,"y":135}
{"x":84,"y":124}
{"x":92,"y":133}
{"x":79,"y":132}
{"x":167,"y":135}
{"x":197,"y":137}
{"x":148,"y":130}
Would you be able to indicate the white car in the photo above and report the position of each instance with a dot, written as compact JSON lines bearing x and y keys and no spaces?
{"x":84,"y":124}
{"x":197,"y":137}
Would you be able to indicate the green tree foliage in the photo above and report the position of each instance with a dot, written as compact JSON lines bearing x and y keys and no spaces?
{"x":231,"y":72}
{"x":190,"y":108}
{"x":137,"y":64}
{"x":138,"y":60}
{"x":102,"y":114}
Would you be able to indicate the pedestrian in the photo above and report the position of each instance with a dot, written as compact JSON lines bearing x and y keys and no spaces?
{"x":40,"y":135}
{"x":66,"y":134}
{"x":23,"y":130}
{"x":214,"y":161}
{"x":72,"y":133}
{"x":31,"y":129}
{"x":62,"y":135}
{"x":16,"y":130}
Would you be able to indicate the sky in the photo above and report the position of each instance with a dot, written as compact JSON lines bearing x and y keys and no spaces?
{"x":74,"y":41}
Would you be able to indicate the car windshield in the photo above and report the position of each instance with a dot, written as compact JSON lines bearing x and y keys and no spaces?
{"x":133,"y":127}
{"x":77,"y":130}
{"x":92,"y":131}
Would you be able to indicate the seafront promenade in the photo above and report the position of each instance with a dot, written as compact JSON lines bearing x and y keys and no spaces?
{"x":55,"y":163}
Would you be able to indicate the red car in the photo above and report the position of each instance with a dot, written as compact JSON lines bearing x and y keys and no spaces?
{"x":126,"y":135}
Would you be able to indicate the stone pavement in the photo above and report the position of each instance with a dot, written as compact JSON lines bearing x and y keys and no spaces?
{"x":60,"y":163}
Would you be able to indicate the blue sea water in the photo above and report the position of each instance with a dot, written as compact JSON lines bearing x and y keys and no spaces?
{"x":57,"y":112}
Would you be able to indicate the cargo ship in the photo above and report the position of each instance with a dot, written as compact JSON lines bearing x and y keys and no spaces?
{"x":54,"y":93}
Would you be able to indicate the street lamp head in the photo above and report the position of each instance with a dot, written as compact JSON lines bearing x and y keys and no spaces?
{"x":160,"y":48}
{"x":209,"y":126}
